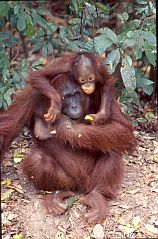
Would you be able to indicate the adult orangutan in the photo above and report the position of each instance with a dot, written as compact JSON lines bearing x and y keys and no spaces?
{"x":83,"y":158}
{"x":76,"y":157}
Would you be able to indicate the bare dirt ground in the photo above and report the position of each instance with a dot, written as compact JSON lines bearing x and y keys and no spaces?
{"x":133,"y":215}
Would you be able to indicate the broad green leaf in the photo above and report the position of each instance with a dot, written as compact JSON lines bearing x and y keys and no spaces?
{"x":135,"y":97}
{"x":64,"y":33}
{"x":38,"y":19}
{"x":74,"y":21}
{"x":7,"y":95}
{"x":137,"y":52}
{"x":128,"y":74}
{"x":151,"y":27}
{"x":29,"y":28}
{"x":149,"y":36}
{"x":79,"y":43}
{"x":75,"y":5}
{"x":4,"y":36}
{"x":51,"y":28}
{"x":148,"y":89}
{"x":108,"y":33}
{"x":23,"y":64}
{"x":144,"y":83}
{"x":36,"y":63}
{"x":16,"y":9}
{"x":103,"y":7}
{"x":141,"y":10}
{"x":89,"y":46}
{"x":2,"y":49}
{"x":4,"y":9}
{"x":21,"y":84}
{"x":42,"y":11}
{"x":128,"y":43}
{"x":16,"y":77}
{"x":122,"y":36}
{"x":142,"y":120}
{"x":5,"y":75}
{"x":140,"y":34}
{"x":152,"y":7}
{"x":150,"y":54}
{"x":141,"y":1}
{"x":132,"y":34}
{"x":5,"y":105}
{"x":44,"y":51}
{"x":37,"y":68}
{"x":123,"y":16}
{"x":13,"y":20}
{"x":91,"y":11}
{"x":101,"y":43}
{"x":112,"y":60}
{"x":129,"y":59}
{"x":7,"y":39}
{"x":4,"y":61}
{"x":21,"y":22}
{"x":38,"y":44}
{"x":41,"y":32}
{"x":128,"y":97}
{"x":72,"y":45}
{"x":2,"y":22}
{"x":50,"y":47}
{"x":133,"y":25}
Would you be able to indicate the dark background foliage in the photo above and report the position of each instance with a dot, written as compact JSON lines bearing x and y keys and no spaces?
{"x":123,"y":32}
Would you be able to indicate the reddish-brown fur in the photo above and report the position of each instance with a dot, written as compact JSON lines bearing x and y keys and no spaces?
{"x":79,"y":157}
{"x":41,"y":81}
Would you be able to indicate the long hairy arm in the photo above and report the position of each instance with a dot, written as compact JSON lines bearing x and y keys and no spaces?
{"x":111,"y":137}
{"x":17,"y":115}
{"x":41,"y":80}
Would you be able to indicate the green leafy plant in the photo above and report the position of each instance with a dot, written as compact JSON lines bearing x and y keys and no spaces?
{"x":19,"y":22}
{"x":134,"y":40}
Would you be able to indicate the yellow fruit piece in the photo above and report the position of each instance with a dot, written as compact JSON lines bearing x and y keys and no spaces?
{"x":89,"y":118}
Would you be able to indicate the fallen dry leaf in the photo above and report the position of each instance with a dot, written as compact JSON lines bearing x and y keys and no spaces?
{"x":18,"y":188}
{"x":125,"y":206}
{"x":136,"y":222}
{"x":6,"y":182}
{"x":60,"y":235}
{"x":126,"y":228}
{"x":11,"y":216}
{"x":98,"y":231}
{"x":149,"y":230}
{"x":154,"y":158}
{"x":6,"y":195}
{"x":150,"y":178}
{"x":133,"y":191}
